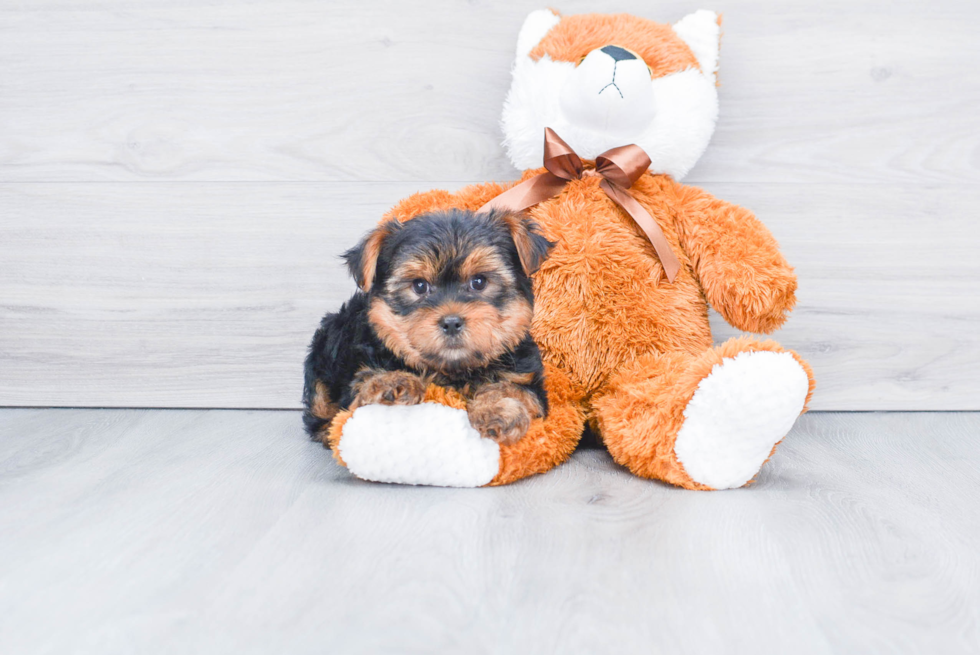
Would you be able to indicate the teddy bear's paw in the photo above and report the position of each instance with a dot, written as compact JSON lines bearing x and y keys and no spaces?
{"x":739,"y":412}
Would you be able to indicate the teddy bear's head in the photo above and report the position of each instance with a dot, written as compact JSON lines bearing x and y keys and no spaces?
{"x":606,"y":80}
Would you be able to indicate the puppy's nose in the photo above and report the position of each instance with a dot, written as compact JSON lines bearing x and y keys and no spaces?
{"x":451,"y":325}
{"x":617,"y":53}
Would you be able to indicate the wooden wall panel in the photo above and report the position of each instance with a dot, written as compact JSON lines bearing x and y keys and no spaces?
{"x":205,"y":295}
{"x":177,"y":179}
{"x":833,"y":91}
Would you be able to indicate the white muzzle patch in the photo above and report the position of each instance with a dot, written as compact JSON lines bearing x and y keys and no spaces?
{"x":611,"y":93}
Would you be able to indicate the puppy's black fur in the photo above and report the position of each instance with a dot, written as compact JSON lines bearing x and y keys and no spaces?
{"x":379,"y":328}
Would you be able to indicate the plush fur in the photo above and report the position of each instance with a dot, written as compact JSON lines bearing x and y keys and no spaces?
{"x":625,"y":351}
{"x":576,"y":79}
{"x":546,"y":444}
{"x":632,"y":347}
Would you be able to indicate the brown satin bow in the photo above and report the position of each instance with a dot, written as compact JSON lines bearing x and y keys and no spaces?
{"x":619,"y":168}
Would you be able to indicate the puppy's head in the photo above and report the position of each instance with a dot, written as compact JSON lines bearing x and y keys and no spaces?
{"x":451,"y":290}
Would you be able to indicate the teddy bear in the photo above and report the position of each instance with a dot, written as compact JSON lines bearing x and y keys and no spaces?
{"x":621,"y":304}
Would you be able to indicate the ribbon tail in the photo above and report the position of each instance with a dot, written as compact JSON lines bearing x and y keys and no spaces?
{"x":646,"y":222}
{"x":530,"y":192}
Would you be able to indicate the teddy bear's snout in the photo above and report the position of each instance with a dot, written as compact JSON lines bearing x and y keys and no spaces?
{"x":610,"y":89}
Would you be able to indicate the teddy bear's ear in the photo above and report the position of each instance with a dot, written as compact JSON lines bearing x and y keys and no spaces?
{"x":701,"y":31}
{"x":362,"y":259}
{"x":536,"y":25}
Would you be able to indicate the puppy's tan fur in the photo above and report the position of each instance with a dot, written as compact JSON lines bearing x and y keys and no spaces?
{"x":387,"y":388}
{"x":502,"y":411}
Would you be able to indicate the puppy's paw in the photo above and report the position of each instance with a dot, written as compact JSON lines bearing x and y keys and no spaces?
{"x":388,"y":388}
{"x":499,"y":415}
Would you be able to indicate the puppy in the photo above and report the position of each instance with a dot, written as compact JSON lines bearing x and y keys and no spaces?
{"x":444,"y":298}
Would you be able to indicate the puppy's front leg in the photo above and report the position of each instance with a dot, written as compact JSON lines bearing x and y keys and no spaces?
{"x":503,"y":411}
{"x":378,"y":387}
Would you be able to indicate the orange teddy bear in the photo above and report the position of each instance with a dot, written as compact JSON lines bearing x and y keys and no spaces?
{"x":623,"y":325}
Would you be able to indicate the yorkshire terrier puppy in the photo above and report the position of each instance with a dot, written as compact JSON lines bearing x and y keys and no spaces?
{"x":444,"y":298}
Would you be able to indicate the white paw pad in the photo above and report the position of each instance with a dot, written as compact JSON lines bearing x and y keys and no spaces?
{"x":738,"y":413}
{"x":427,"y":444}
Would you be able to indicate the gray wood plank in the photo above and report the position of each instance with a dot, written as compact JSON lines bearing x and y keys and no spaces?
{"x":217,"y":531}
{"x":205,"y":295}
{"x":833,"y":91}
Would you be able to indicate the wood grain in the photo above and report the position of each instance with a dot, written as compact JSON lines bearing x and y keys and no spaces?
{"x":177,"y":179}
{"x":215,"y":531}
{"x":834,"y":91}
{"x":206,"y":295}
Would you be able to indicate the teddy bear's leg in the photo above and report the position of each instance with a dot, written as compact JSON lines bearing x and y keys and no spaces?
{"x":706,"y":421}
{"x":547,"y":443}
{"x":550,"y":442}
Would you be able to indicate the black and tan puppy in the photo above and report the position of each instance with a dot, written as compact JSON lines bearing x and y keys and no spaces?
{"x":445,"y":298}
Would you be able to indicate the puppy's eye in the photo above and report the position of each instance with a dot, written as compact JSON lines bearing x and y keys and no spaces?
{"x":478,"y":283}
{"x":420,"y":287}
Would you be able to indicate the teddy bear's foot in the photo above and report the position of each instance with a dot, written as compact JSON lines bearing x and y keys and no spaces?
{"x":433,"y":443}
{"x":427,"y":444}
{"x":705,"y":421}
{"x":739,"y":412}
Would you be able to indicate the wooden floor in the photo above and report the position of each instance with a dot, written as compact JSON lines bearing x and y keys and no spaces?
{"x":149,"y":531}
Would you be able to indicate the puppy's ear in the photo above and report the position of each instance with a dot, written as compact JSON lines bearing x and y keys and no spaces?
{"x":532,"y":247}
{"x":362,"y":259}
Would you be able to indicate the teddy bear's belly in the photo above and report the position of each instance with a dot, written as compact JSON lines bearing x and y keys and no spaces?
{"x":601,"y":299}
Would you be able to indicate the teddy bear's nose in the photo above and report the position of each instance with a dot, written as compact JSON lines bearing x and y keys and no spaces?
{"x":617,"y":53}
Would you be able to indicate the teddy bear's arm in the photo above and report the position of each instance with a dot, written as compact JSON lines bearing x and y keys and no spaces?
{"x":471,"y":197}
{"x":736,"y":260}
